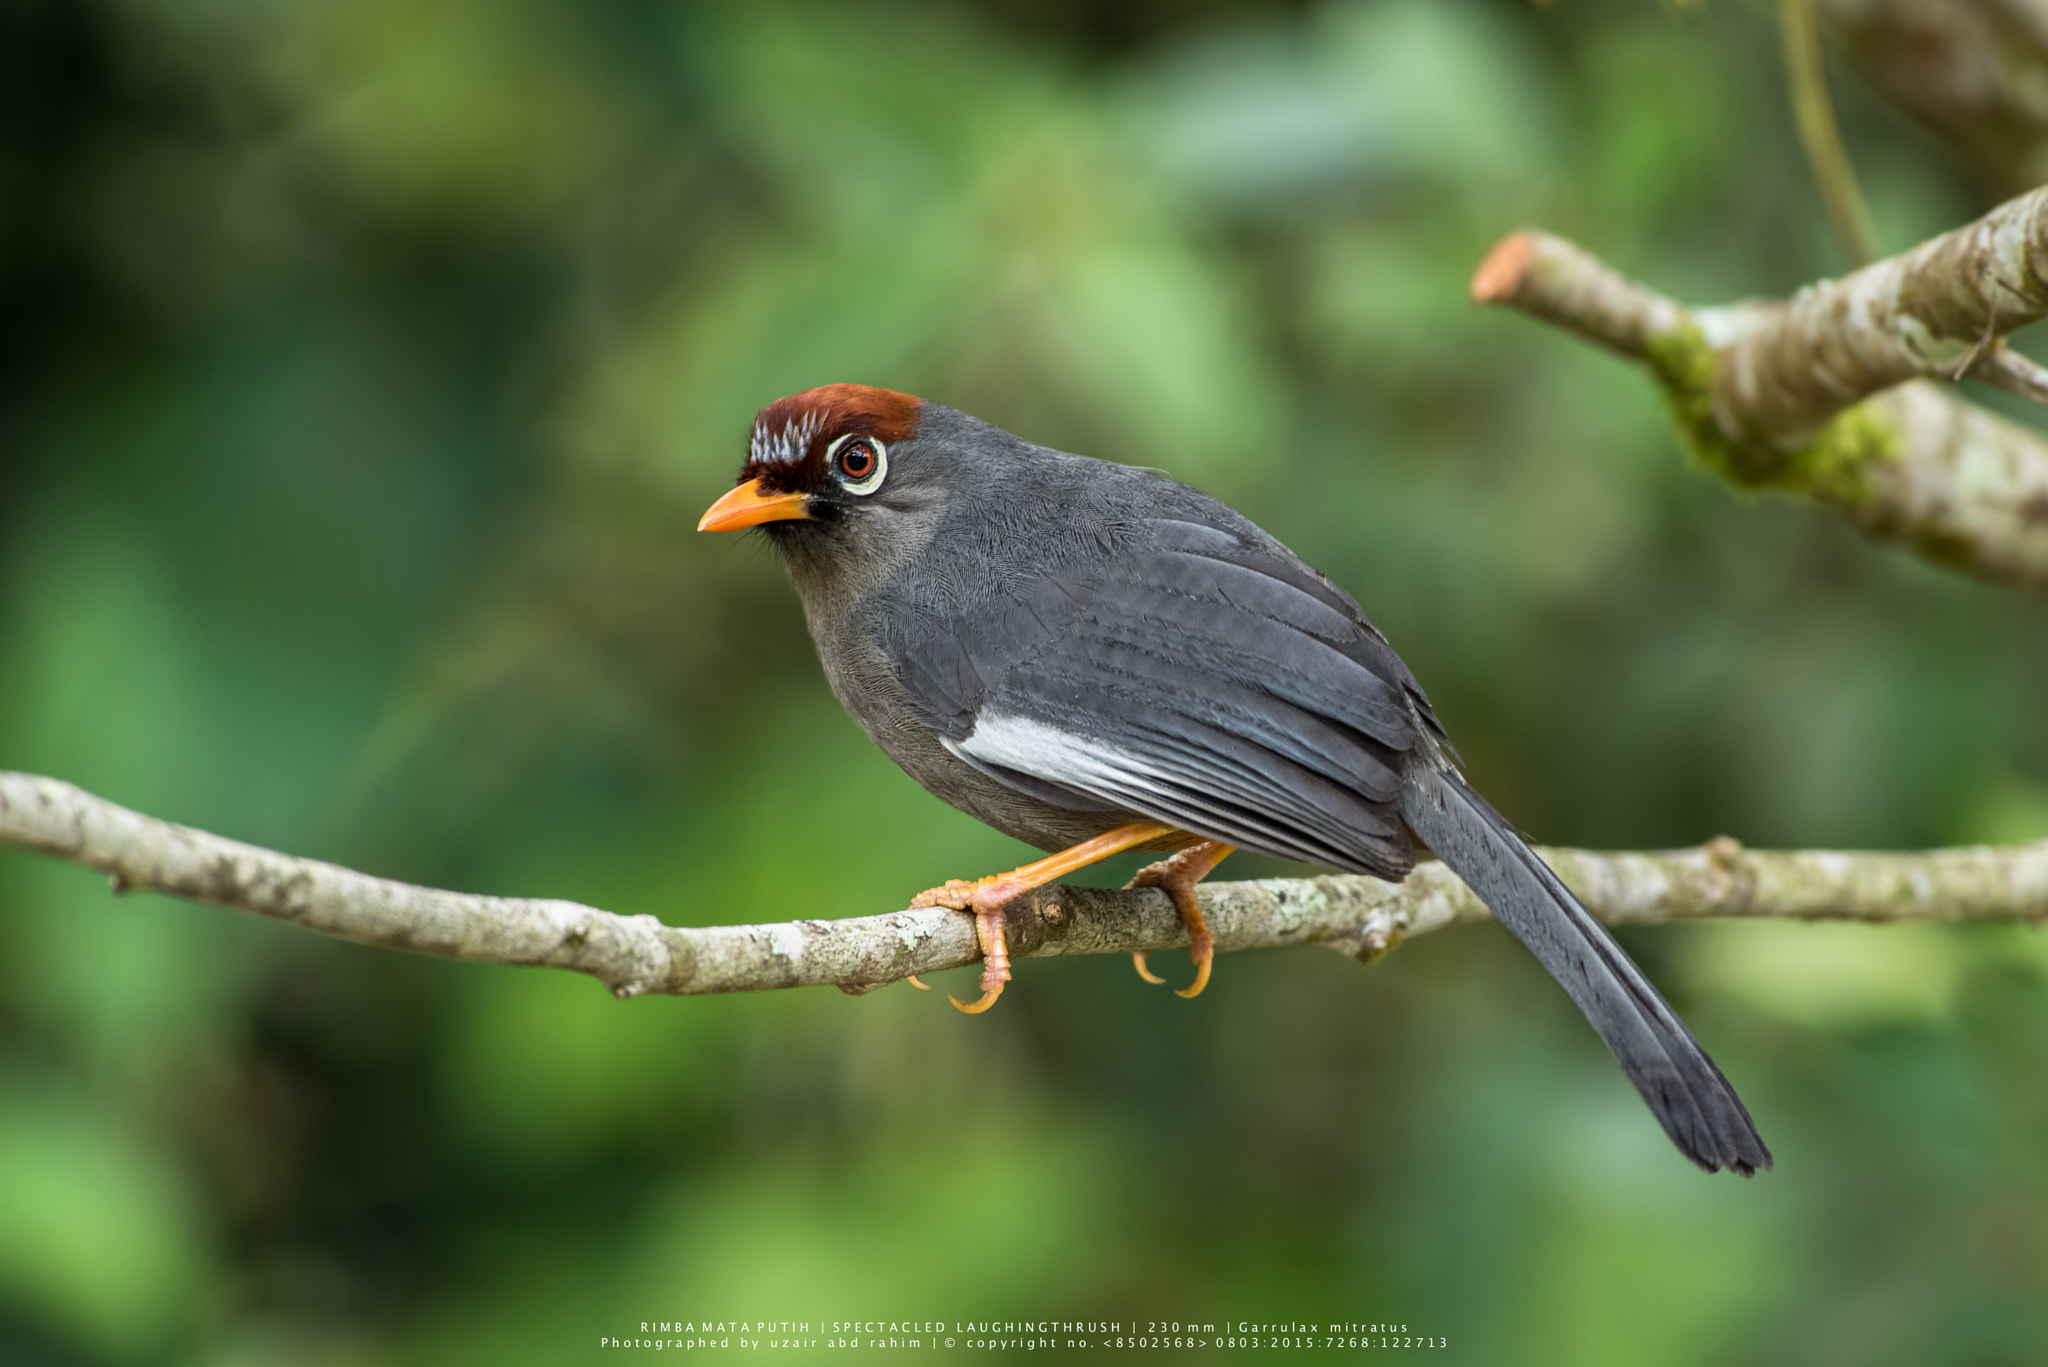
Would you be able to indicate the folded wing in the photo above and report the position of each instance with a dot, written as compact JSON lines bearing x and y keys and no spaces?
{"x":1205,"y":681}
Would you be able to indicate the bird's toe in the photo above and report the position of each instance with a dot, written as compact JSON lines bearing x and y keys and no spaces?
{"x":956,"y":894}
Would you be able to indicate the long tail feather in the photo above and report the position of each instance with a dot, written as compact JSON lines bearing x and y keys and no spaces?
{"x":1685,"y":1091}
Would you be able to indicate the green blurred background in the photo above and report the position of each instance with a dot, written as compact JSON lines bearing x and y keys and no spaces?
{"x":364,"y":366}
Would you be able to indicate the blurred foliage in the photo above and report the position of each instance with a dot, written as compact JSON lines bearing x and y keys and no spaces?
{"x":363,"y":368}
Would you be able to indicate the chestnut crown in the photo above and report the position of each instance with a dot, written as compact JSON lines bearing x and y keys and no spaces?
{"x":849,"y":426}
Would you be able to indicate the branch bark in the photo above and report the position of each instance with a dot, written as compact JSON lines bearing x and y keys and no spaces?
{"x":1932,"y":312}
{"x":1826,"y":395}
{"x":1972,"y":70}
{"x":1361,"y":917}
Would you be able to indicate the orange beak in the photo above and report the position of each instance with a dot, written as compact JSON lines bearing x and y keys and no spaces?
{"x":747,"y":506}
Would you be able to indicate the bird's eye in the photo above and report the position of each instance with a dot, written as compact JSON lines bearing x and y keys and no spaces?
{"x":860,"y":463}
{"x":857,"y":460}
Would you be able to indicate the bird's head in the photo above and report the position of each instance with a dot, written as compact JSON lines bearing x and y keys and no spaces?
{"x":822,"y":457}
{"x":853,"y":485}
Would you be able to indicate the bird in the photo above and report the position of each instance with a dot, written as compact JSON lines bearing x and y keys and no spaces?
{"x":1091,"y":658}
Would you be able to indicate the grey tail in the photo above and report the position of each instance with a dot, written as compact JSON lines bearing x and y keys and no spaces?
{"x":1685,"y":1091}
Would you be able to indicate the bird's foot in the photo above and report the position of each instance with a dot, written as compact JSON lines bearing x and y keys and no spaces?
{"x":985,"y":897}
{"x":1176,"y":876}
{"x":995,"y":961}
{"x":983,"y":894}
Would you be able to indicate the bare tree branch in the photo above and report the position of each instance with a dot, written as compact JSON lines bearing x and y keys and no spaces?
{"x":2017,"y":375}
{"x":1806,"y":397}
{"x":1972,"y":70}
{"x":1929,"y":313}
{"x":1362,"y":917}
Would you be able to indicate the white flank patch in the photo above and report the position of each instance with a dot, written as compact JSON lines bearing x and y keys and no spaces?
{"x":1116,"y":775}
{"x":1047,"y":752}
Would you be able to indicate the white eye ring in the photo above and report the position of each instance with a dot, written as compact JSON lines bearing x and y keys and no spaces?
{"x":874,"y":479}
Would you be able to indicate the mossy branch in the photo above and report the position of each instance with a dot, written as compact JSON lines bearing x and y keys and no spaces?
{"x":1823,"y":396}
{"x":1360,"y":917}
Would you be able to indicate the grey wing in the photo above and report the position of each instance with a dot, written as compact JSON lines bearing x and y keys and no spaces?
{"x":1204,"y":681}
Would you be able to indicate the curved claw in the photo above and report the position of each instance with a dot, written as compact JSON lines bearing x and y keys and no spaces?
{"x":911,"y":978}
{"x":1138,"y":960}
{"x":988,"y":999}
{"x":1176,"y":876}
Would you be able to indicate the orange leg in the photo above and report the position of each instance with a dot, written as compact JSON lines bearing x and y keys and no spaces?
{"x":1176,"y":876}
{"x":986,"y":897}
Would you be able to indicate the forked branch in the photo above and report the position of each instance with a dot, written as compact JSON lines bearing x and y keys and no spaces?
{"x":1831,"y":394}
